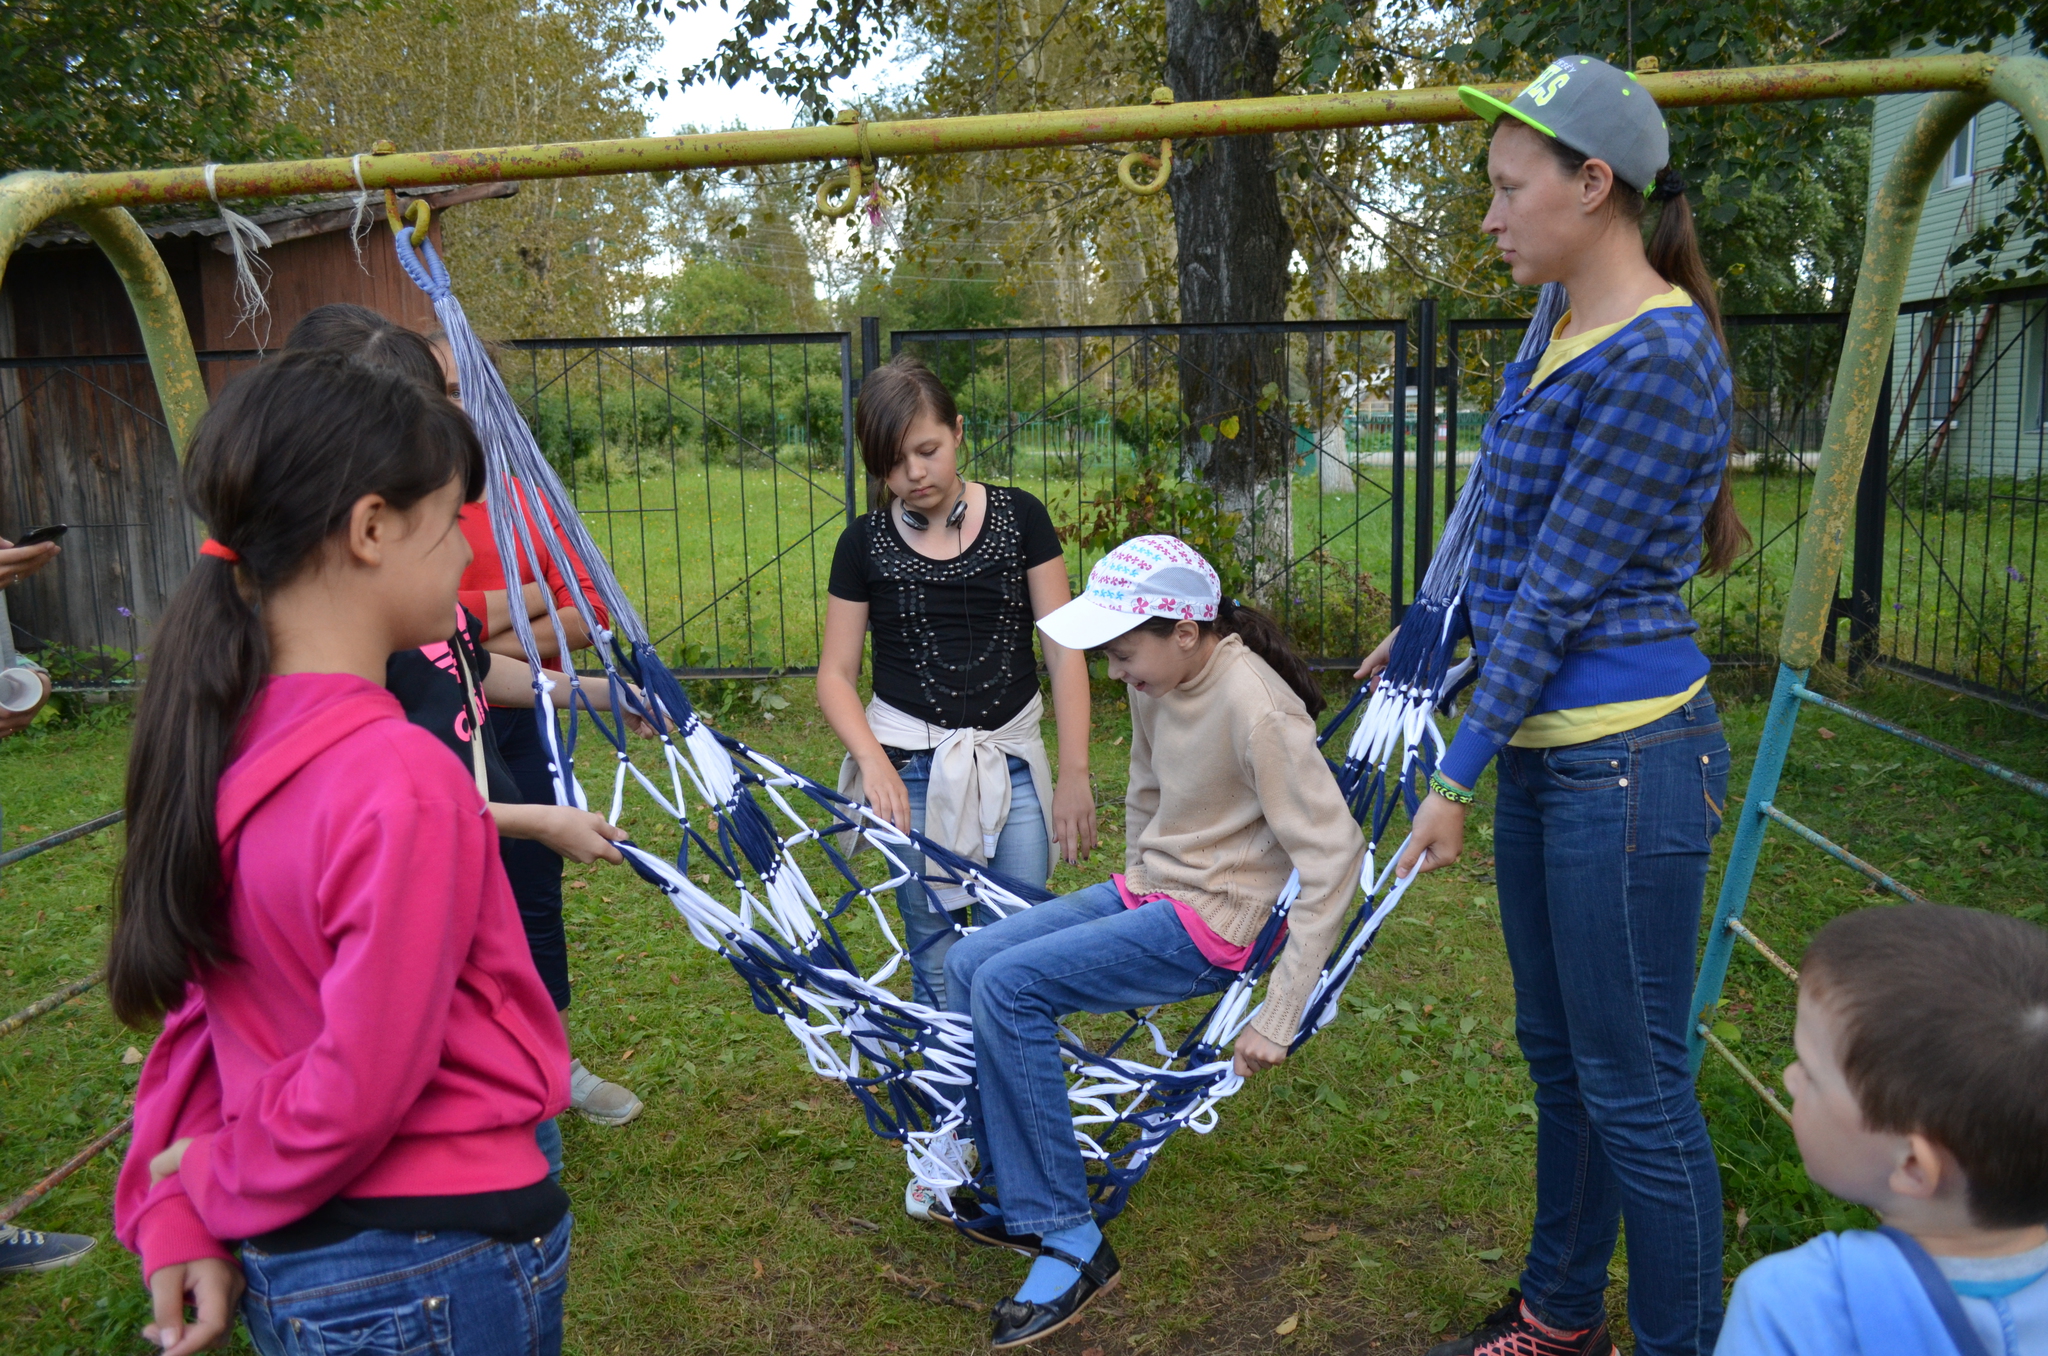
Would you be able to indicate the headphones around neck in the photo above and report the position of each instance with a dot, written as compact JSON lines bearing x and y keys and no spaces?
{"x":917,"y":522}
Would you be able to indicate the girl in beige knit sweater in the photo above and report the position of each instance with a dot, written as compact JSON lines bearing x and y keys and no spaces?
{"x":1228,"y":796}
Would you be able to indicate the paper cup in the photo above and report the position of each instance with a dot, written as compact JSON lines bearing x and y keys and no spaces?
{"x":20,"y":689}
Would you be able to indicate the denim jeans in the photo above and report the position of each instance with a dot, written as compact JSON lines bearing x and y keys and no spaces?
{"x":1017,"y":977}
{"x":548,"y":1135}
{"x":384,"y":1293}
{"x":1600,"y":852}
{"x":1022,"y":854}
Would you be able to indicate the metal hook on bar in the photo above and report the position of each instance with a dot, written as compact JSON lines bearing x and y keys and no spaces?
{"x":417,"y":211}
{"x":1163,"y":162}
{"x":840,"y":193}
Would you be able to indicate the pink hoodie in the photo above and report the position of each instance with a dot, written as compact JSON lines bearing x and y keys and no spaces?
{"x":382,"y":1031}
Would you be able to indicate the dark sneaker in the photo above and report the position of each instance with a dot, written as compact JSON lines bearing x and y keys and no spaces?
{"x":1018,"y":1323}
{"x":1510,"y":1331}
{"x":27,"y":1250}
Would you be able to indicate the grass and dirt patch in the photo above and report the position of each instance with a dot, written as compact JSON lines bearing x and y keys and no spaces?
{"x":1370,"y":1194}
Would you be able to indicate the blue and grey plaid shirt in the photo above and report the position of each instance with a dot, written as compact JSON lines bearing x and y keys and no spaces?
{"x":1598,"y":484}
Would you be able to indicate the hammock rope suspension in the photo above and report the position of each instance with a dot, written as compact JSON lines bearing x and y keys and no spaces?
{"x":750,"y":823}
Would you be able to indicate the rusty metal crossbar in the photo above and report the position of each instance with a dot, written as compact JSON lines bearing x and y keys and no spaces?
{"x":1963,"y":756}
{"x":1741,"y":929}
{"x":69,"y":1166}
{"x":1748,"y":1075}
{"x":48,"y":1004}
{"x":27,"y":850}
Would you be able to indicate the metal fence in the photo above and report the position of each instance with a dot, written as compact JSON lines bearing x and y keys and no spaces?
{"x":1945,"y":577}
{"x":717,"y":473}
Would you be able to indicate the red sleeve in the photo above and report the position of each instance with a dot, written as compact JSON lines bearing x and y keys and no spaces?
{"x":564,"y":600}
{"x":178,"y":1097}
{"x":317,"y":1118}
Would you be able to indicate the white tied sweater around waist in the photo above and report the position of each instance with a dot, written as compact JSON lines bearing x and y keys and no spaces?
{"x":967,"y":801}
{"x":1228,"y":794}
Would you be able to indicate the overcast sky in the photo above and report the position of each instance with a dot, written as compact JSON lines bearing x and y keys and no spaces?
{"x":693,"y":37}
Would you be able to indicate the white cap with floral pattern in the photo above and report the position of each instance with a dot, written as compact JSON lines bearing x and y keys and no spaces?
{"x":1156,"y":576}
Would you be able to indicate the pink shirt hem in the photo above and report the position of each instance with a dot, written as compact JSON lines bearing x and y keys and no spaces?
{"x":1212,"y":946}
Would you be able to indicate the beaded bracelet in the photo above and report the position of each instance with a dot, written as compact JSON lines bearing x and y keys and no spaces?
{"x":1450,"y":790}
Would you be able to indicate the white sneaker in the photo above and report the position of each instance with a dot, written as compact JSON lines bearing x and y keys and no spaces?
{"x":594,"y":1099}
{"x":919,"y":1200}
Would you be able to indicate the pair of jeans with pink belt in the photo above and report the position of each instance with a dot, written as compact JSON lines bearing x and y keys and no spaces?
{"x":1083,"y":952}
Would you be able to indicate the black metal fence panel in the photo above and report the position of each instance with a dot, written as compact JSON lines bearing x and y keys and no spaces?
{"x":1291,"y":438}
{"x":714,"y":472}
{"x":1953,"y":514}
{"x":717,"y":473}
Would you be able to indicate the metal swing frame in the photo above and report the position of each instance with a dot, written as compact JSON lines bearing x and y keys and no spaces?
{"x":1961,"y":86}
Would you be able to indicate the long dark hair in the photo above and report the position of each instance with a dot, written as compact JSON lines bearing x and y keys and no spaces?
{"x":275,"y":469}
{"x":1674,"y":251}
{"x":891,"y":398}
{"x":371,"y":338}
{"x":1264,"y":638}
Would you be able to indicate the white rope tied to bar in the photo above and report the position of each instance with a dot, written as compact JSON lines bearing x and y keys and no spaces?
{"x":360,"y":223}
{"x":245,"y":237}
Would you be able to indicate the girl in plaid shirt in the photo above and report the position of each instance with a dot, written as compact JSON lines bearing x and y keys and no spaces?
{"x":1604,"y":476}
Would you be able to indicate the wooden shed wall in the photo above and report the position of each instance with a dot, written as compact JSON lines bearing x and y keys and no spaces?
{"x":84,"y":442}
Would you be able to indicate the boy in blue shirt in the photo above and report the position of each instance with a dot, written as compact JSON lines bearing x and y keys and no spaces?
{"x":1921,"y":1091}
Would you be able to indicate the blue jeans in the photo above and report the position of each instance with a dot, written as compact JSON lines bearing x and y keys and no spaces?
{"x":1022,"y":854}
{"x":1600,"y":852}
{"x":1017,"y":977}
{"x":548,"y":1135}
{"x":384,"y":1293}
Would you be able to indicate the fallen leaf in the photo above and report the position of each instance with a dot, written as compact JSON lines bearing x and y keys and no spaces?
{"x":131,"y":1056}
{"x":1490,"y":1255}
{"x":1287,"y":1325}
{"x":865,"y":1225}
{"x":579,"y":885}
{"x":758,"y":1273}
{"x":1826,"y":733}
{"x":1093,"y":1351}
{"x":1741,"y":1220}
{"x":604,"y":899}
{"x":1321,"y":1235}
{"x":630,"y":1051}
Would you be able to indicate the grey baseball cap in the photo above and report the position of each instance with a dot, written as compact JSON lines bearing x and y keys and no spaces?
{"x":1598,"y":111}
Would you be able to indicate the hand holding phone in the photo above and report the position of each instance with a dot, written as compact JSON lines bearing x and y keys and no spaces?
{"x":35,"y":550}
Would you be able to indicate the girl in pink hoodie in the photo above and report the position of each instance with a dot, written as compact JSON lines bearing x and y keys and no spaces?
{"x":356,"y":1049}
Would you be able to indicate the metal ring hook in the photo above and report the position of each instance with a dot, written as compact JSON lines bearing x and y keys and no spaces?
{"x":1163,"y":162}
{"x":421,"y":215}
{"x":833,"y":203}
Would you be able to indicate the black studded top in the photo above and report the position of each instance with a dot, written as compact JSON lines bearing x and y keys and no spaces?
{"x":952,"y":638}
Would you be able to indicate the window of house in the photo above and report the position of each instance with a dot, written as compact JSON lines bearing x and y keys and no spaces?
{"x":1962,"y":157}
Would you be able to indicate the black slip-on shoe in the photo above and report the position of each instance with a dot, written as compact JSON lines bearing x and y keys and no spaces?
{"x":1508,"y":1331}
{"x":984,"y":1226}
{"x":1018,"y":1324}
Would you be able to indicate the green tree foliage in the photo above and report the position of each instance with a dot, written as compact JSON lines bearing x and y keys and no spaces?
{"x":565,"y":256}
{"x":97,"y":86}
{"x":1777,"y":189}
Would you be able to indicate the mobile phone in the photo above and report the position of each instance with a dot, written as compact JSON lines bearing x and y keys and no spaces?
{"x":39,"y":535}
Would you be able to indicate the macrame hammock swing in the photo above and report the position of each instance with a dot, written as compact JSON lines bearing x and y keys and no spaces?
{"x":910,"y":1065}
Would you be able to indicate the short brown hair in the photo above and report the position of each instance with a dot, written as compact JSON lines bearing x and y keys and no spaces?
{"x":891,"y":399}
{"x":1944,"y":1016}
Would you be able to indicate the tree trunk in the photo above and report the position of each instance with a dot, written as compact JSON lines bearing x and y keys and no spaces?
{"x":1234,"y":246}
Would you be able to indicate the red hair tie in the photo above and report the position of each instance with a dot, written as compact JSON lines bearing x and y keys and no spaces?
{"x":210,"y":547}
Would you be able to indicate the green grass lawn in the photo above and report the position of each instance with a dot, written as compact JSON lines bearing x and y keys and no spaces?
{"x":1375,"y":1191}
